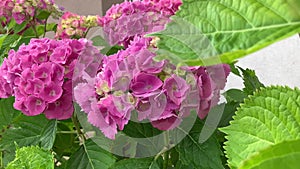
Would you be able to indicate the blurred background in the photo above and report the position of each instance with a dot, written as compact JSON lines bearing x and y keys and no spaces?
{"x":278,"y":64}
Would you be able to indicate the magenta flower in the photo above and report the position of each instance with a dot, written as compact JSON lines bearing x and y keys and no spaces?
{"x":169,"y":119}
{"x":60,"y":54}
{"x":210,"y":80}
{"x":176,"y":88}
{"x":34,"y":105}
{"x":51,"y":92}
{"x":42,"y":72}
{"x":152,"y":107}
{"x":61,"y":108}
{"x":57,"y":73}
{"x":145,"y":63}
{"x":112,"y":113}
{"x":143,"y":85}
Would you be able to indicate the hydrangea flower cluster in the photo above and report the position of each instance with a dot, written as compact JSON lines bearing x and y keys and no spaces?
{"x":73,"y":25}
{"x":124,"y":21}
{"x":132,"y":80}
{"x":39,"y":76}
{"x":22,"y":10}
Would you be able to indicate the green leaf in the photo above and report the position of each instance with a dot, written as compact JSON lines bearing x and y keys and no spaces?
{"x":270,"y":116}
{"x":18,"y":28}
{"x":140,"y":130}
{"x":142,"y":163}
{"x":43,"y":15}
{"x":11,"y":24}
{"x":283,"y":155}
{"x":7,"y":112}
{"x":91,"y":156}
{"x":235,"y":95}
{"x":2,"y":38}
{"x":179,"y":165}
{"x":23,"y":131}
{"x":111,"y":50}
{"x":206,"y":32}
{"x":251,"y":81}
{"x":51,"y":27}
{"x":194,"y":154}
{"x":65,"y":140}
{"x":48,"y":135}
{"x":33,"y":158}
{"x":99,"y":41}
{"x":9,"y":40}
{"x":229,"y":111}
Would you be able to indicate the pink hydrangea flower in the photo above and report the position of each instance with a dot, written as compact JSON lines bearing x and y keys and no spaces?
{"x":124,"y":21}
{"x":143,"y":85}
{"x":210,"y":81}
{"x":39,"y":76}
{"x":176,"y":88}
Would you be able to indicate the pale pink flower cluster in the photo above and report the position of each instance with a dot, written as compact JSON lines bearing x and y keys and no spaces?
{"x":75,"y":26}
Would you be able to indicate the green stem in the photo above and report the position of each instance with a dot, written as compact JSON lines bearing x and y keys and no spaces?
{"x":167,"y":153}
{"x":1,"y":161}
{"x":45,"y":28}
{"x":77,"y":127}
{"x":32,"y":24}
{"x":87,"y":31}
{"x":66,"y":132}
{"x":166,"y":160}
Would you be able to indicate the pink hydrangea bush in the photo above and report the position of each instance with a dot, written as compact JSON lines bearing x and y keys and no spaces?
{"x":39,"y":75}
{"x":73,"y":25}
{"x":22,"y":10}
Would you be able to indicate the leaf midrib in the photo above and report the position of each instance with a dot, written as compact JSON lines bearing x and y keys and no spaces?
{"x":246,"y":30}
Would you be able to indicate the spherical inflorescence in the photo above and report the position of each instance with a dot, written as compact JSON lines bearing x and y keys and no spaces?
{"x":39,"y":75}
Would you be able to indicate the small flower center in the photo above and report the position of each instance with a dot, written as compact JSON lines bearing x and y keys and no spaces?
{"x":38,"y":102}
{"x":52,"y":93}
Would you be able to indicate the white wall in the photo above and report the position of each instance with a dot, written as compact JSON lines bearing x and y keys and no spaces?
{"x":278,"y":64}
{"x":82,"y":7}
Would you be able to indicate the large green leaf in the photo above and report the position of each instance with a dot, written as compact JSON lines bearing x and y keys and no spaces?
{"x":91,"y":156}
{"x":33,"y":158}
{"x":142,"y":163}
{"x":270,"y":116}
{"x":25,"y":131}
{"x":205,"y":155}
{"x":205,"y":32}
{"x":283,"y":155}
